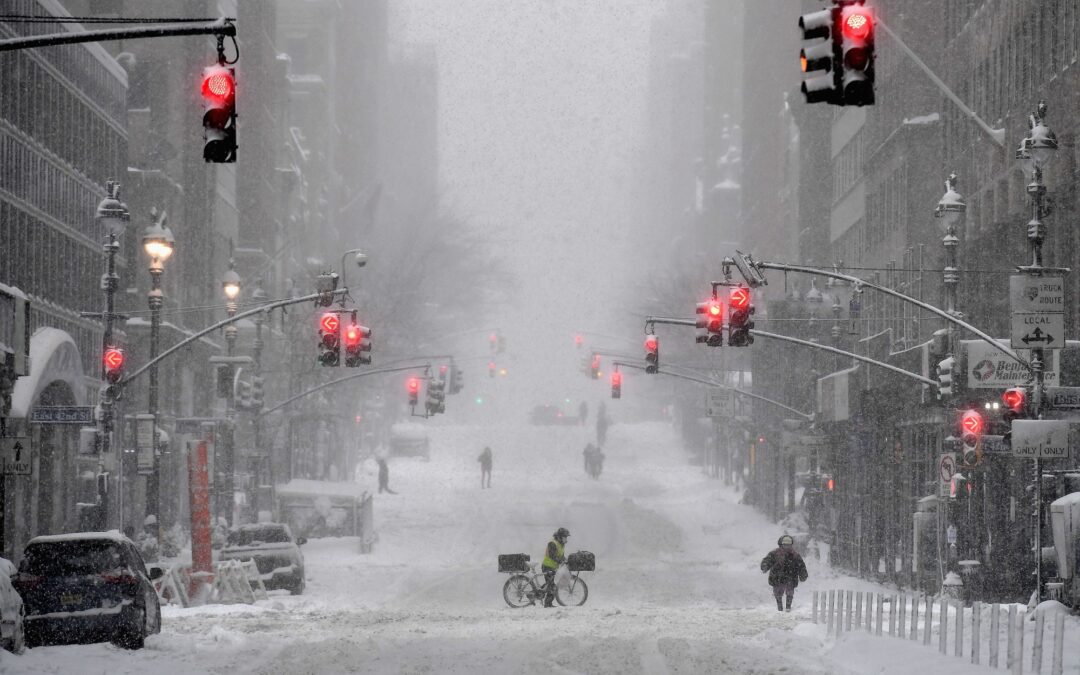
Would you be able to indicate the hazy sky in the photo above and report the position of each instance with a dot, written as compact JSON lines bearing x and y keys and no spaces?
{"x":541,"y":106}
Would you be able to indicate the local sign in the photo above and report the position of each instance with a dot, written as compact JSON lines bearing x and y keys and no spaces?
{"x":1040,"y":439}
{"x":1038,"y":311}
{"x":62,"y":414}
{"x":15,"y":455}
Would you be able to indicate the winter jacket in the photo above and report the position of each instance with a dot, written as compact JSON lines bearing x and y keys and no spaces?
{"x":554,"y":556}
{"x":785,"y":566}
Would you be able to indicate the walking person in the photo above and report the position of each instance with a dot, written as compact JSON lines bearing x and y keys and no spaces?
{"x":583,"y":413}
{"x":384,"y":477}
{"x":602,"y":424}
{"x":485,"y":467}
{"x":786,"y":569}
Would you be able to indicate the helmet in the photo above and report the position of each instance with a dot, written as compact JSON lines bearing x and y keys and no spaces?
{"x":785,"y":540}
{"x":561,"y":532}
{"x":150,"y":520}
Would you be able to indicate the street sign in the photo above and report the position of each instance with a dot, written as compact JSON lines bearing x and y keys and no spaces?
{"x":988,"y":368}
{"x":144,"y":441}
{"x":62,"y":414}
{"x":1038,"y":295}
{"x":946,"y":469}
{"x":1040,"y":439}
{"x":1038,"y":330}
{"x":720,"y":403}
{"x":15,"y":455}
{"x":1063,"y":397}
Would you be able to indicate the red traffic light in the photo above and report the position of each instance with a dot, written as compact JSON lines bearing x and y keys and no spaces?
{"x":352,"y":336}
{"x":113,"y":359}
{"x":651,"y":343}
{"x":578,"y":340}
{"x":442,"y":370}
{"x":218,"y":83}
{"x":739,"y":298}
{"x":1014,"y":399}
{"x":971,"y":422}
{"x":858,"y":24}
{"x":715,"y":308}
{"x":413,"y":385}
{"x":616,"y":379}
{"x":329,"y":323}
{"x":830,"y":484}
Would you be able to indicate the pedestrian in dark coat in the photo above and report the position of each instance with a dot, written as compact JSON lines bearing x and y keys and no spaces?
{"x":384,"y":477}
{"x":786,"y":569}
{"x":485,"y":468}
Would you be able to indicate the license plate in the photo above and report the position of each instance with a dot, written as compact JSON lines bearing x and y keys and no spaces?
{"x":70,"y":599}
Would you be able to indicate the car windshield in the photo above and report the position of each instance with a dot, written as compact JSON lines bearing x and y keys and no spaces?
{"x":259,"y":535}
{"x":68,"y":558}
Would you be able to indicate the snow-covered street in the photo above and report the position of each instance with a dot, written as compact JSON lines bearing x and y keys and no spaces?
{"x":677,"y":589}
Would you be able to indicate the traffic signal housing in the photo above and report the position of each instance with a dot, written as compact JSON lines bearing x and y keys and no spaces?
{"x":112,"y":365}
{"x":436,"y":397}
{"x":595,"y":367}
{"x":739,"y":322}
{"x":357,"y":345}
{"x":711,"y":322}
{"x":817,"y":57}
{"x":946,"y":386}
{"x":329,"y":340}
{"x":491,"y":369}
{"x":1015,"y":400}
{"x":857,"y":55}
{"x":257,"y":393}
{"x":413,"y":387}
{"x":972,"y":426}
{"x":616,"y":384}
{"x":456,"y":381}
{"x":652,"y":354}
{"x":219,"y":114}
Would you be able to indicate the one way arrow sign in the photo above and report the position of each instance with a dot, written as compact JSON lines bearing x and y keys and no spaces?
{"x":15,"y":455}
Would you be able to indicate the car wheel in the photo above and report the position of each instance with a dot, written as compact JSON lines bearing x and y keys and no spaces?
{"x":134,"y":635}
{"x":298,"y":586}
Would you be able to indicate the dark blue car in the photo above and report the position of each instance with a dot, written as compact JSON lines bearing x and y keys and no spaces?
{"x":86,"y":587}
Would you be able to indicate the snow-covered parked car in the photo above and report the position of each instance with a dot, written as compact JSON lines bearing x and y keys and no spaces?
{"x":87,"y":587}
{"x":275,"y":552}
{"x":11,"y":610}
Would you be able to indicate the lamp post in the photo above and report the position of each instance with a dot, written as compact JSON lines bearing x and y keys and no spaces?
{"x":263,"y":459}
{"x":950,"y":210}
{"x":1035,"y":152}
{"x":113,"y":216}
{"x":158,"y":243}
{"x":230,"y":286}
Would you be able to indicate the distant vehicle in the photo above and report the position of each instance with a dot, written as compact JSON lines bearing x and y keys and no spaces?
{"x":12,"y":626}
{"x":550,"y":414}
{"x":86,"y":587}
{"x":275,"y":552}
{"x":409,"y":440}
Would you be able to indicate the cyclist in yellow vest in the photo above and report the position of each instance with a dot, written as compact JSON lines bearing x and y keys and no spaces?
{"x":554,"y":556}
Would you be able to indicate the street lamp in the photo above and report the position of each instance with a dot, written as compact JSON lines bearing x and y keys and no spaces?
{"x":950,"y":211}
{"x":1038,"y":149}
{"x":158,"y":243}
{"x":262,"y":461}
{"x":113,"y":216}
{"x":230,"y":285}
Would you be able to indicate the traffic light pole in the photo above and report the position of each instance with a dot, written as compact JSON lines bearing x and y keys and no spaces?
{"x":712,"y":383}
{"x":222,"y":27}
{"x":857,"y":282}
{"x":340,"y":380}
{"x":841,"y":352}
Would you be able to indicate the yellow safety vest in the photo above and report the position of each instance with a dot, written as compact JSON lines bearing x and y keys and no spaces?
{"x":548,"y":562}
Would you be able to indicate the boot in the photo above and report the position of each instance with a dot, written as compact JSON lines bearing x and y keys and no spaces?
{"x":779,"y":605}
{"x":788,"y":608}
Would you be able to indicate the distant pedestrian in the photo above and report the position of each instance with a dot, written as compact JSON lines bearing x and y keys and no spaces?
{"x":583,"y":413}
{"x":384,"y":477}
{"x":786,"y":569}
{"x":485,"y":467}
{"x":602,"y":424}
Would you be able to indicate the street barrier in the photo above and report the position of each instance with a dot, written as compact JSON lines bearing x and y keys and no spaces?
{"x":171,"y":586}
{"x":834,"y":609}
{"x":236,"y":581}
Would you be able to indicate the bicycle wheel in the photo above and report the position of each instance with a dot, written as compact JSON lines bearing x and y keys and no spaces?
{"x":516,"y":591}
{"x":573,"y":594}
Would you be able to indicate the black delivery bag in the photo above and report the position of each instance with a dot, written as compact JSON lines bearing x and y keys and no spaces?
{"x":582,"y":561}
{"x":514,"y":562}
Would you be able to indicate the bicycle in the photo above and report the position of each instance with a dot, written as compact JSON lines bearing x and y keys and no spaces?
{"x":521,"y":590}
